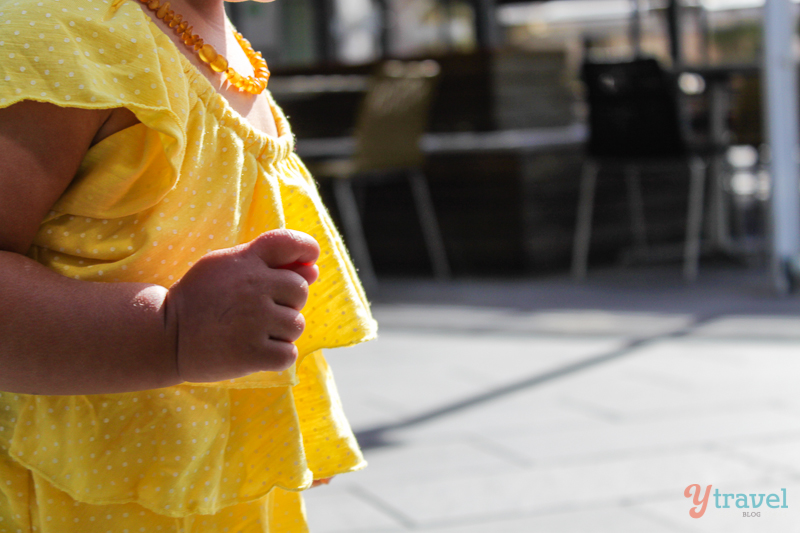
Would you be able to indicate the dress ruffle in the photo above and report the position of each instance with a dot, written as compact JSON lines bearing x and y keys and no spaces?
{"x":146,"y":204}
{"x":189,"y":449}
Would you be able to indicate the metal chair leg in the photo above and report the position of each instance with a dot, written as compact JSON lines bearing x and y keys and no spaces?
{"x":583,"y":224}
{"x":694,"y":219}
{"x":636,"y":207}
{"x":354,"y":231}
{"x":430,"y":225}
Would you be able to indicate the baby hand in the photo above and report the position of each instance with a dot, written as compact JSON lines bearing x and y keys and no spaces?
{"x":237,"y":311}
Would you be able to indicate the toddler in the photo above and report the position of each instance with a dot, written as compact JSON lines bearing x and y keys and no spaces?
{"x":158,"y":240}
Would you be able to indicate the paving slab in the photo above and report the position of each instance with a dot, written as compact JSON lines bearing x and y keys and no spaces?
{"x":688,"y":375}
{"x":433,"y":460}
{"x":535,"y":410}
{"x":775,"y":455}
{"x":753,"y":326}
{"x":546,"y":406}
{"x":341,"y":511}
{"x":563,"y":322}
{"x":429,"y":370}
{"x":645,"y":436}
{"x":430,"y":501}
{"x":616,"y":519}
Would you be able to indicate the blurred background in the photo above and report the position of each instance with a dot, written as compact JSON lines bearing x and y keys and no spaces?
{"x":578,"y":224}
{"x":507,"y":204}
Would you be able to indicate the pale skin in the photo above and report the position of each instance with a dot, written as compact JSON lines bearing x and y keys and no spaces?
{"x":235,"y":312}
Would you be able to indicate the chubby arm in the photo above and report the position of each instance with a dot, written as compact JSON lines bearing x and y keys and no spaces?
{"x":57,"y":335}
{"x":62,"y":336}
{"x":235,"y":312}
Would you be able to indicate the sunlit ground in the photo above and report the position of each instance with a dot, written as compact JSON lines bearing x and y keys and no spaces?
{"x":553,"y":407}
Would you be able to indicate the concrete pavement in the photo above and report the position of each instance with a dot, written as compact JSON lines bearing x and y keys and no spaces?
{"x":545,"y":406}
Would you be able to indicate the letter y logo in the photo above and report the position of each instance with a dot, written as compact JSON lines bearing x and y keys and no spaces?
{"x":700,"y":503}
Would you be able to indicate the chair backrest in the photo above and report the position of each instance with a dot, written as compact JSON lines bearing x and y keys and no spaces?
{"x":633,"y":110}
{"x":394,"y":115}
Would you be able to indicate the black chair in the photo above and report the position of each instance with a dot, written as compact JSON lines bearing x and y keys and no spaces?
{"x":634,"y":124}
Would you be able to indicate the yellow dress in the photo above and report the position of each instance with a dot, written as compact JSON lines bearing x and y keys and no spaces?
{"x":147,"y":202}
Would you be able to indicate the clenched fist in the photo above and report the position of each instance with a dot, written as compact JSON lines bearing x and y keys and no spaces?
{"x":237,"y":311}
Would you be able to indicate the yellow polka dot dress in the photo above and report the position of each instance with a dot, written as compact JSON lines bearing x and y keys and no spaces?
{"x":146,"y":204}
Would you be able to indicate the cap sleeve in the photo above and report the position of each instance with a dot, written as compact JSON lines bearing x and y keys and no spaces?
{"x":62,"y":52}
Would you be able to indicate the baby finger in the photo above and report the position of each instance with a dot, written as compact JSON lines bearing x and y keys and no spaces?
{"x":276,"y":356}
{"x":289,"y":289}
{"x":286,"y":324}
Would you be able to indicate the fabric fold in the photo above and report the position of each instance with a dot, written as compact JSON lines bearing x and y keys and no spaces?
{"x":147,"y":203}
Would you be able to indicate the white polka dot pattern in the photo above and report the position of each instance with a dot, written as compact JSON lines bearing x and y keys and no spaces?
{"x":55,"y":512}
{"x":175,"y":452}
{"x":146,"y":204}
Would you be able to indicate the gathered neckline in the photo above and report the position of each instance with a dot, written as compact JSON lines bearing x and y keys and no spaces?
{"x":266,"y":147}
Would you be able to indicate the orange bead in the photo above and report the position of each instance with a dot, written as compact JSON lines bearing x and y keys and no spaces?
{"x":235,"y":79}
{"x":182,"y":26}
{"x":162,"y":11}
{"x":207,"y":53}
{"x":168,"y":18}
{"x":153,"y":5}
{"x":198,"y":43}
{"x":219,"y":64}
{"x":174,"y":20}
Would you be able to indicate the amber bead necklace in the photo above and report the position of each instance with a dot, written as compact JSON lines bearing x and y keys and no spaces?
{"x":209,"y":55}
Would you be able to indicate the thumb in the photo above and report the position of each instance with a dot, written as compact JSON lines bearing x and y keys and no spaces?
{"x":285,"y":248}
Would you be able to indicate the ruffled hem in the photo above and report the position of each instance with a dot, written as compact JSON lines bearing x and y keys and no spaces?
{"x":242,"y":446}
{"x":30,"y":503}
{"x":196,"y":448}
